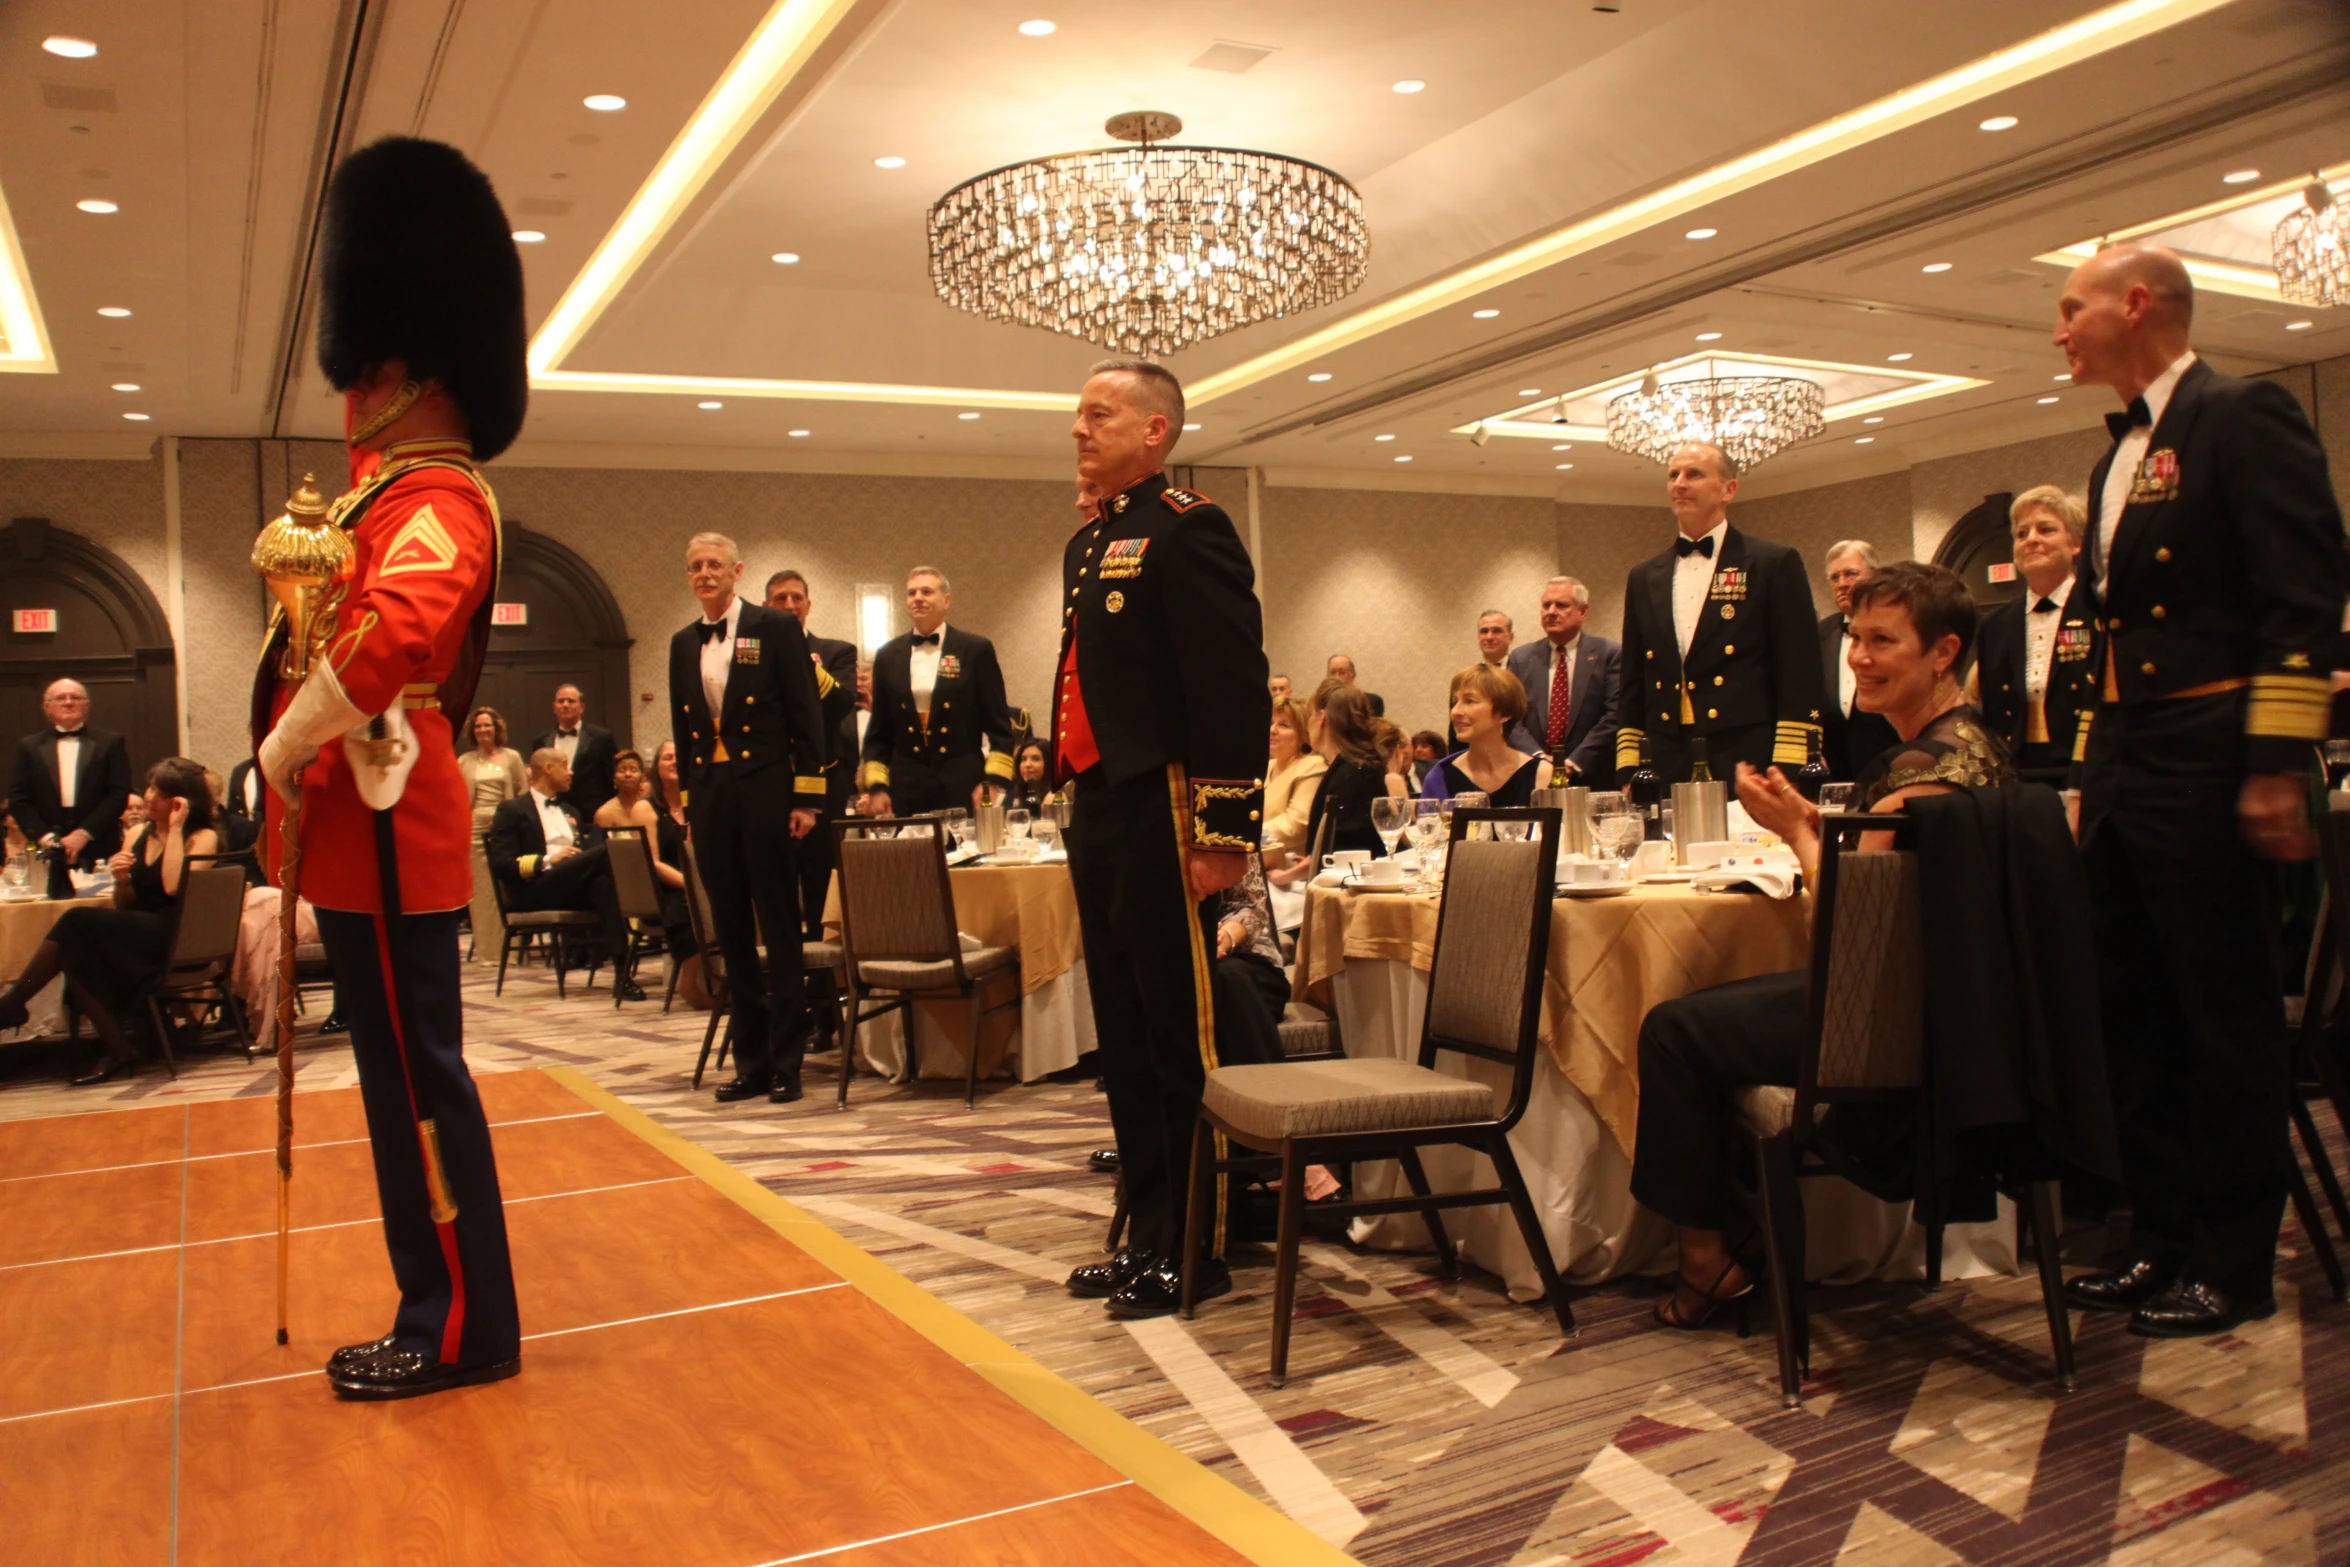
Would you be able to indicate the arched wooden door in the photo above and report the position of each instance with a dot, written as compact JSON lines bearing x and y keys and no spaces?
{"x":1975,"y":544}
{"x":567,"y":628}
{"x":109,"y":634}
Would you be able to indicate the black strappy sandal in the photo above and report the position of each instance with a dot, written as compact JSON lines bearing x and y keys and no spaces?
{"x":1668,"y":1311}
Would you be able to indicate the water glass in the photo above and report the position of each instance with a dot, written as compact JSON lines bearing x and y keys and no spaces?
{"x":1470,"y":800}
{"x":1835,"y":797}
{"x":1016,"y":823}
{"x":1387,"y":819}
{"x":1046,"y":831}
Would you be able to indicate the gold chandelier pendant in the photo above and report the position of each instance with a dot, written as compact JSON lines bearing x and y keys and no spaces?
{"x":306,"y":561}
{"x":1750,"y":417}
{"x":2310,"y":249}
{"x":1148,"y":248}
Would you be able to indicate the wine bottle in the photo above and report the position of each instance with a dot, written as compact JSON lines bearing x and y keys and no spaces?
{"x":1647,"y":791}
{"x":1700,"y":768}
{"x":1814,"y":772}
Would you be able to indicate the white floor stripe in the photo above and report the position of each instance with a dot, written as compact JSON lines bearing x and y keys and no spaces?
{"x":1004,"y":1257}
{"x":1663,"y":1508}
{"x":1289,"y":1477}
{"x":1474,"y":1372}
{"x":688,"y":1311}
{"x":933,"y":1528}
{"x":271,"y":1150}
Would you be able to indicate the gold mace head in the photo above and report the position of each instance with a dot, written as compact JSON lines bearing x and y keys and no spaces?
{"x":304,"y":557}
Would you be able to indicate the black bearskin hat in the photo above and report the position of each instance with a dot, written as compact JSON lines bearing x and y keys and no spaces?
{"x":420,"y":266}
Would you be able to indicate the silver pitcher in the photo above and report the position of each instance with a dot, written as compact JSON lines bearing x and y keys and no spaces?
{"x":988,"y":827}
{"x":1701,"y":814}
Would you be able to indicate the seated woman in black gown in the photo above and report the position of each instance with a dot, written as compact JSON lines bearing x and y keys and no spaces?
{"x":108,"y":954}
{"x":1911,"y":627}
{"x":1358,"y":773}
{"x":677,"y":928}
{"x":1032,"y":778}
{"x":1485,"y":702}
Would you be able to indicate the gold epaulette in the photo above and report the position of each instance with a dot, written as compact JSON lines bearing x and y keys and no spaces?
{"x":2289,"y":707}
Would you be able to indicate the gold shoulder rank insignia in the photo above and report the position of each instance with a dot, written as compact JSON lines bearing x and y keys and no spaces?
{"x":1184,"y":500}
{"x":422,"y":544}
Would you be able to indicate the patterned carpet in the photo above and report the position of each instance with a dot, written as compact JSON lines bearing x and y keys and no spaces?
{"x":1430,"y":1423}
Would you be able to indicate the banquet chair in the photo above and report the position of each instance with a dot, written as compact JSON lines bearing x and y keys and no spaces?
{"x":1863,"y":1043}
{"x":631,"y":855}
{"x":714,"y":977}
{"x":1307,"y":1032}
{"x":2317,"y":1019}
{"x":1485,"y":982}
{"x":899,"y":942}
{"x":204,"y":931}
{"x":558,"y":926}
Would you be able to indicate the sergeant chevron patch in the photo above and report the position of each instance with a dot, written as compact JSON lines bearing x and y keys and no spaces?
{"x":422,"y":544}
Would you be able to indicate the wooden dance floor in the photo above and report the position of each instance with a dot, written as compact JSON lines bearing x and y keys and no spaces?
{"x":710,"y":1377}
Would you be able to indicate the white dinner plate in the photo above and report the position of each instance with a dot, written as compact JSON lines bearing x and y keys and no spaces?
{"x":1672,"y":876}
{"x":1612,"y":889}
{"x":1383,"y":886}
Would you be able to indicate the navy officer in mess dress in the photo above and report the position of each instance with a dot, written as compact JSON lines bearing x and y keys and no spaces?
{"x":1159,"y":718}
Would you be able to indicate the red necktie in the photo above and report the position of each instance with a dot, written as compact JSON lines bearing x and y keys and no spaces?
{"x":1557,"y":735}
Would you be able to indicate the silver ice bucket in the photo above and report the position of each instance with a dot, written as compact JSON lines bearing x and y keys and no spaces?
{"x":1701,"y":814}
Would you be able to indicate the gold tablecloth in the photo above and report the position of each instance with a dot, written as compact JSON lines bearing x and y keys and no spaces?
{"x":1611,"y":959}
{"x":23,"y":926}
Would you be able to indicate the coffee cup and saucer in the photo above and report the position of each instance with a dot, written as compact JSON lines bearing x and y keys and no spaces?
{"x":1378,"y":876}
{"x":1582,"y":878}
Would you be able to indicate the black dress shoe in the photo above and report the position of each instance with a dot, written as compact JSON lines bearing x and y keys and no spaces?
{"x":103,"y":1072}
{"x":2120,"y":1289}
{"x":628,"y":990}
{"x":407,"y":1373}
{"x":1157,"y":1291}
{"x":1101,"y":1280}
{"x":350,"y":1355}
{"x":1105,"y":1160}
{"x":333,"y":1023}
{"x":737,"y":1088}
{"x":786,"y":1090}
{"x":2194,"y":1309}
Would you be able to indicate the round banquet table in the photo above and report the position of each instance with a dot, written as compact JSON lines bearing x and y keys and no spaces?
{"x":1034,"y":908}
{"x":23,"y":925}
{"x":1610,"y":960}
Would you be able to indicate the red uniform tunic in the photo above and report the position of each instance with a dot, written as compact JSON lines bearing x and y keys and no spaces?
{"x":426,"y":561}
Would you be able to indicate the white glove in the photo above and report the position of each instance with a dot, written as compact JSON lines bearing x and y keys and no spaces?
{"x":317,"y":714}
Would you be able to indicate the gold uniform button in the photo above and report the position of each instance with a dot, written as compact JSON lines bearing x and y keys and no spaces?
{"x":2158,"y":612}
{"x":1072,"y":592}
{"x":2163,"y":553}
{"x":1728,"y":648}
{"x":1717,"y":680}
{"x":2115,"y":624}
{"x":1255,"y":816}
{"x":1710,"y":713}
{"x":2146,"y":669}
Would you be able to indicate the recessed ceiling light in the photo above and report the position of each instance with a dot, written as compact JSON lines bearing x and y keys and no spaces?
{"x":1894,"y":359}
{"x":1484,"y":315}
{"x":1319,"y":375}
{"x":799,"y":435}
{"x":96,"y":204}
{"x":1998,"y":122}
{"x":2044,"y":399}
{"x":1709,"y":337}
{"x":2299,"y":326}
{"x":2240,"y":177}
{"x":1935,"y":266}
{"x":1382,"y":437}
{"x":112,"y":312}
{"x":138,"y":418}
{"x":126,"y":386}
{"x":1564,"y":446}
{"x":529,"y":237}
{"x":605,"y":102}
{"x":1862,"y":440}
{"x":1193,"y":426}
{"x":1410,"y":85}
{"x":1405,"y":458}
{"x":1874,"y":419}
{"x":786,"y":258}
{"x":967,"y":415}
{"x":1039,"y":28}
{"x":891,"y":162}
{"x":1562,"y":467}
{"x":710,"y":407}
{"x":70,"y":48}
{"x":1701,"y":233}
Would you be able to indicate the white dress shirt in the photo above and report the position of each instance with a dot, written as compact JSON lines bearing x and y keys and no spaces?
{"x":1847,"y":683}
{"x":553,"y":821}
{"x":2131,"y":451}
{"x":716,"y":651}
{"x":253,"y":791}
{"x":1693,"y":575}
{"x":2040,"y":639}
{"x":568,"y":743}
{"x":922,"y":671}
{"x":69,"y":767}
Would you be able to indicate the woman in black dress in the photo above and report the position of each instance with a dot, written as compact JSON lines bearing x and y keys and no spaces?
{"x":1358,"y":773}
{"x":677,"y":926}
{"x":1485,"y":702}
{"x":108,"y":954}
{"x":1032,"y":778}
{"x":1911,"y":627}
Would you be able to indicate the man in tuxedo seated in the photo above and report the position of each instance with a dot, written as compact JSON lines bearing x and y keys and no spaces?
{"x":70,"y":784}
{"x":1850,"y":737}
{"x":588,"y":750}
{"x":547,"y":855}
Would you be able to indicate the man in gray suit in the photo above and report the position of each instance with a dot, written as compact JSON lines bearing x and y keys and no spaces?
{"x":1570,"y":681}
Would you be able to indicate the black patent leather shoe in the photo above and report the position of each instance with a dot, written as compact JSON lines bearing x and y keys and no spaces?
{"x":103,"y":1072}
{"x":407,"y":1373}
{"x":786,"y":1090}
{"x":2119,"y":1289}
{"x":1157,"y":1291}
{"x":1101,"y":1280}
{"x":735,"y":1089}
{"x":350,"y":1355}
{"x":1105,"y":1160}
{"x":2193,"y":1309}
{"x":333,"y":1023}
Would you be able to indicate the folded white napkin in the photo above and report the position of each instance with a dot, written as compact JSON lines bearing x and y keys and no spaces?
{"x":1331,"y":876}
{"x":1773,"y":875}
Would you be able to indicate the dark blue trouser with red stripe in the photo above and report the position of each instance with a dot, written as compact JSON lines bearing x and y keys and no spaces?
{"x":456,"y":1280}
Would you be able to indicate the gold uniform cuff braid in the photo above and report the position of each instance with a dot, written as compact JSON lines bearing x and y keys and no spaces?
{"x":1793,"y":745}
{"x":2289,"y":707}
{"x":1628,"y":743}
{"x":1227,"y":813}
{"x":999,"y":765}
{"x":825,"y":684}
{"x":528,"y":865}
{"x":802,"y":784}
{"x":873,"y":775}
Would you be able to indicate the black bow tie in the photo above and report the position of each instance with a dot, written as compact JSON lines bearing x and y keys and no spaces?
{"x":926,"y":641}
{"x":1686,"y":547}
{"x":2045,"y":605}
{"x":568,"y":734}
{"x":2137,"y":415}
{"x":69,"y":734}
{"x":713,"y":631}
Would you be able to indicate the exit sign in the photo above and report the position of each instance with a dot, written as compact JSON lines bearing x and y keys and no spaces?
{"x":31,"y":621}
{"x":2003,"y":571}
{"x":510,"y":614}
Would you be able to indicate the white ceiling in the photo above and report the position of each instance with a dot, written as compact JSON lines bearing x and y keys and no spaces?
{"x":1537,"y":113}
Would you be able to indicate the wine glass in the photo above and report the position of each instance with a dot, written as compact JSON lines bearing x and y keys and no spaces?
{"x":1615,"y":824}
{"x":1835,"y":797}
{"x":1047,"y":832}
{"x":1016,"y":823}
{"x":1387,"y":819}
{"x":1469,"y":800}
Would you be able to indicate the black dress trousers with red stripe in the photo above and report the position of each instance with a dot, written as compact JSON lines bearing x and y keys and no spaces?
{"x":456,"y":1279}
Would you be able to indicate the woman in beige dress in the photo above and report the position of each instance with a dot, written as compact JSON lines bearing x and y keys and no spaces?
{"x":494,"y":773}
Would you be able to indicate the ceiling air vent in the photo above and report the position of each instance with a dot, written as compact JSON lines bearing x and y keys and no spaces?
{"x":1230,"y":58}
{"x":78,"y":100}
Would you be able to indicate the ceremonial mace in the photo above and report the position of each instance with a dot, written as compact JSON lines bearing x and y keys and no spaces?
{"x":306,"y":560}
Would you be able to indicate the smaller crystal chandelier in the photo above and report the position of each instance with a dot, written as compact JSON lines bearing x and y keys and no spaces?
{"x":1748,"y":416}
{"x":2311,"y":249}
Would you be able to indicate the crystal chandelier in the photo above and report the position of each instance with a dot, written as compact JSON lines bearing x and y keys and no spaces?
{"x":2311,"y":249}
{"x":1748,"y":416}
{"x":1147,"y":249}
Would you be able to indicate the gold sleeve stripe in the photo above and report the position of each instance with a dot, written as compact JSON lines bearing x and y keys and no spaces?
{"x":528,"y":864}
{"x":1792,"y":747}
{"x":825,"y":684}
{"x":1628,"y":746}
{"x":2081,"y":735}
{"x":874,"y":775}
{"x":999,"y":765}
{"x":2291,"y":707}
{"x":807,"y":786}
